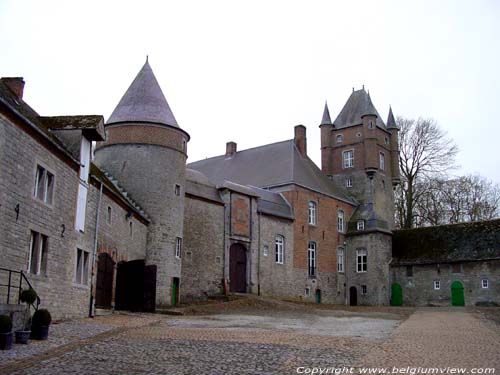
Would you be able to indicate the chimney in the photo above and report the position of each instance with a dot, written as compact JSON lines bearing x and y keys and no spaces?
{"x":230,"y":149}
{"x":16,"y":85}
{"x":301,"y":140}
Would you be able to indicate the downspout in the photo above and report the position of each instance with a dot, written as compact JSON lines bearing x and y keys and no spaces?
{"x":258,"y":256}
{"x":94,"y":254}
{"x":345,"y":274}
{"x":224,"y":284}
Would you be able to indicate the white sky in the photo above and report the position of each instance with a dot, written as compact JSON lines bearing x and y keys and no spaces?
{"x":248,"y":71}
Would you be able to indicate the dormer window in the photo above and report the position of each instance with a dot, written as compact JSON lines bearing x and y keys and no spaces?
{"x":370,"y":124}
{"x":340,"y":138}
{"x":361,"y":225}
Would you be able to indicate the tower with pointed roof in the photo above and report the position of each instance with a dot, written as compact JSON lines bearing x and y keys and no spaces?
{"x":146,"y":151}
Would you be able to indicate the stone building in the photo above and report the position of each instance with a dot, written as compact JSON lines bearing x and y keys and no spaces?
{"x":108,"y":215}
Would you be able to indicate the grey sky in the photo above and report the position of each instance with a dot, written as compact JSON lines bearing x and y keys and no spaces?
{"x":249,"y":71}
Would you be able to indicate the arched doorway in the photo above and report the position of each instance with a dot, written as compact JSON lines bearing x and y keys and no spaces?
{"x":353,"y":296}
{"x":238,"y":268}
{"x":396,"y":295}
{"x":104,"y":281}
{"x":318,"y":296}
{"x":457,"y":294}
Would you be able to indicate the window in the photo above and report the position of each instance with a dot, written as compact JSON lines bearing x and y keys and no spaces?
{"x":386,"y":140}
{"x":409,"y":271}
{"x":81,"y":207}
{"x":340,"y":221}
{"x":348,"y":159}
{"x":177,"y":190}
{"x":340,"y":259}
{"x":361,"y":256}
{"x":361,"y":225}
{"x":279,"y":248}
{"x":44,"y":185}
{"x":312,"y":213}
{"x":307,"y":292}
{"x":311,"y":258}
{"x":370,"y":124}
{"x":189,"y":256}
{"x":456,"y":268}
{"x":348,"y":182}
{"x":184,"y":145}
{"x":437,"y":284}
{"x":265,"y":250}
{"x":131,"y":228}
{"x":382,"y":161}
{"x":383,"y":184}
{"x":178,"y":247}
{"x":364,"y":289}
{"x":82,"y":267}
{"x":37,"y":261}
{"x":484,"y":283}
{"x":340,"y":138}
{"x":108,"y":217}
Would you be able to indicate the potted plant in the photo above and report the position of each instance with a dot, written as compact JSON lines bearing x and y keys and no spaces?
{"x":40,"y":324}
{"x":23,"y":335}
{"x":5,"y":332}
{"x":28,"y":296}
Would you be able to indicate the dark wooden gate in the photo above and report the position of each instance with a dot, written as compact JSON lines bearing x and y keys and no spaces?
{"x":104,"y":282}
{"x":237,"y":268}
{"x":135,"y":286}
{"x":353,"y":296}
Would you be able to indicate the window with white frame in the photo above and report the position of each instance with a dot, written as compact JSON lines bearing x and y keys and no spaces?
{"x":437,"y":284}
{"x":485,"y":284}
{"x":312,"y":213}
{"x":82,"y":267}
{"x":348,"y":159}
{"x":348,"y":182}
{"x":178,"y":247}
{"x":361,"y":225}
{"x":382,"y":161}
{"x":311,"y":258}
{"x":340,"y":138}
{"x":361,"y":260}
{"x":364,"y":289}
{"x":37,"y":260}
{"x":340,"y":259}
{"x":44,"y":185}
{"x":279,"y":248}
{"x":265,"y":250}
{"x":340,"y":221}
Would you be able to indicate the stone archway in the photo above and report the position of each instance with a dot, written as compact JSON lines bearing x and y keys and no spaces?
{"x":238,"y":268}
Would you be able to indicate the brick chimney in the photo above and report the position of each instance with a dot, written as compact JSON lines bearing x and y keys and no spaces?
{"x":230,"y":148}
{"x":16,"y":85}
{"x":301,"y":140}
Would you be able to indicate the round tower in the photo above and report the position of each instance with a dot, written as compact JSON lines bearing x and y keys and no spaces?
{"x":146,"y":152}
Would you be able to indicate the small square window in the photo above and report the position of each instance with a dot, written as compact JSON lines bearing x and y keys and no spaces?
{"x":363,"y":289}
{"x":437,"y":285}
{"x":177,"y":189}
{"x":409,"y":271}
{"x":485,"y":284}
{"x":340,"y":138}
{"x":348,"y":182}
{"x":361,"y":225}
{"x":217,"y":260}
{"x":456,"y":268}
{"x":189,"y":256}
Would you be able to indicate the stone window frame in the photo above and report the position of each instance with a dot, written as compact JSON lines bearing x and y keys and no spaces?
{"x":177,"y":190}
{"x":361,"y":260}
{"x":307,"y":292}
{"x":364,"y":290}
{"x":48,"y":191}
{"x":279,"y":249}
{"x":178,"y":247}
{"x":312,"y":212}
{"x":339,"y":138}
{"x":348,"y":162}
{"x":82,"y":267}
{"x":340,"y":259}
{"x":38,"y":253}
{"x":381,"y":160}
{"x":437,"y":284}
{"x":348,"y":182}
{"x":312,"y":256}
{"x":265,"y":250}
{"x":409,"y":271}
{"x":485,"y":284}
{"x":360,"y":225}
{"x":341,"y":220}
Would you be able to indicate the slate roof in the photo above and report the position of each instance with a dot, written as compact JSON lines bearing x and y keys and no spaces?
{"x":359,"y":104}
{"x":198,"y":185}
{"x":91,"y":125}
{"x":326,"y":119}
{"x":391,"y":122}
{"x":269,"y":166}
{"x":272,"y":203}
{"x":447,"y":243}
{"x":373,"y":221}
{"x":143,"y":102}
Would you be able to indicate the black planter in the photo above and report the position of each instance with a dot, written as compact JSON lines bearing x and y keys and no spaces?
{"x":40,"y":333}
{"x":6,"y":341}
{"x":22,"y":337}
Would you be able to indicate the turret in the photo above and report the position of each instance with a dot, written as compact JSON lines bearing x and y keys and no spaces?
{"x":146,"y":152}
{"x":393,"y":128}
{"x":326,"y":127}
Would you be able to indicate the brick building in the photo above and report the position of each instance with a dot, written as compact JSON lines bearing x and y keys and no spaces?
{"x":108,"y":215}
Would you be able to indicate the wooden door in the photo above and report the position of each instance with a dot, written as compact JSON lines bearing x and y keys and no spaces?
{"x":104,"y":281}
{"x":396,"y":295}
{"x":353,"y":296}
{"x":457,"y":294}
{"x":237,"y":268}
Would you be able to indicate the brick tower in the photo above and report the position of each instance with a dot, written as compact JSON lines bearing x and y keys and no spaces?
{"x":359,"y":153}
{"x":146,"y":152}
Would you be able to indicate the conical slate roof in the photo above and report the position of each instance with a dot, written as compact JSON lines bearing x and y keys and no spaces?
{"x":144,"y":102}
{"x":326,"y":120}
{"x":391,"y":123}
{"x":358,"y":105}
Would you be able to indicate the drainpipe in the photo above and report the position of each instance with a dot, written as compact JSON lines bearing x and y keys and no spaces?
{"x":224,"y":284}
{"x":258,"y":257}
{"x":345,"y":273}
{"x":94,"y":254}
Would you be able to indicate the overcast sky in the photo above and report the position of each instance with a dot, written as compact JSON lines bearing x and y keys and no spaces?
{"x":249,"y":71}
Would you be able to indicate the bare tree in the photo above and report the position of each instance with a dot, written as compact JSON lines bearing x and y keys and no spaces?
{"x":425,"y":151}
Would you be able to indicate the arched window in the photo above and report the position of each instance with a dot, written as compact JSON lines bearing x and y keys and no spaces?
{"x":340,"y":221}
{"x":280,"y":248}
{"x":312,"y":213}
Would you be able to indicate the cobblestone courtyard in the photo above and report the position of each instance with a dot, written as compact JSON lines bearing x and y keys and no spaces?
{"x":270,"y":340}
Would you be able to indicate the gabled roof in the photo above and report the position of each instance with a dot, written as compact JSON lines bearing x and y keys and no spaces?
{"x":144,"y":102}
{"x":269,"y":166}
{"x":358,"y":105}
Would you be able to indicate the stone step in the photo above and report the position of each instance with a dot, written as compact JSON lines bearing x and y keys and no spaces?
{"x":103,"y":312}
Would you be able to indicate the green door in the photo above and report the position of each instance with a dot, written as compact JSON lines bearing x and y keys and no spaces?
{"x":175,"y":291}
{"x":457,"y":294}
{"x":396,"y":295}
